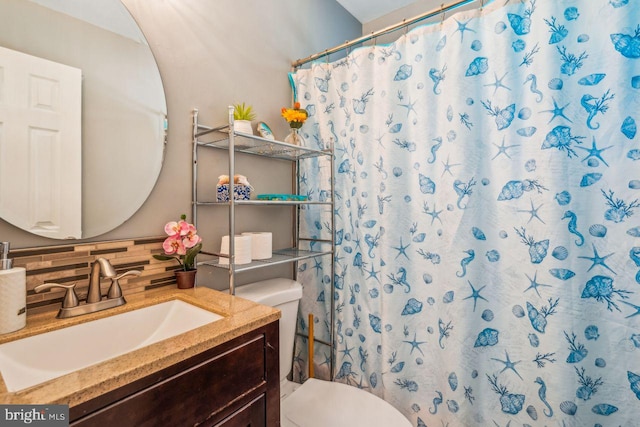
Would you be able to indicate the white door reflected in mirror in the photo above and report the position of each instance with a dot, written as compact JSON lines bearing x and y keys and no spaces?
{"x":40,"y":126}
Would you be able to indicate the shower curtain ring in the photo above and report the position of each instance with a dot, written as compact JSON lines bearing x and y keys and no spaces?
{"x":444,"y":13}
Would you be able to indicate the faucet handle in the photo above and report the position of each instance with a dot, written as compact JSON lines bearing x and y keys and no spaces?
{"x":114,"y":290}
{"x":70,"y":297}
{"x":129,"y":273}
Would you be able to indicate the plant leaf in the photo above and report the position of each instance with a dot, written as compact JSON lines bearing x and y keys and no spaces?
{"x":189,"y":258}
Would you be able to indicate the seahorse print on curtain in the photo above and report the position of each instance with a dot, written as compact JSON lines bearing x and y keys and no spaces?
{"x":487,"y":207}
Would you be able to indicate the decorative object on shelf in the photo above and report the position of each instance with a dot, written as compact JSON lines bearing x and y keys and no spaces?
{"x":296,"y":117}
{"x":183,"y":244}
{"x":290,"y":197}
{"x":240,"y":192}
{"x":241,"y":188}
{"x":265,"y":131}
{"x":294,"y":137}
{"x":242,"y":117}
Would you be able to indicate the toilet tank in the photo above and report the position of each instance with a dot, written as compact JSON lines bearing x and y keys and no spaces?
{"x":283,"y":294}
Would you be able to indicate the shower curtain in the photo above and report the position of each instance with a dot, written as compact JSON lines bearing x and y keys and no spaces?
{"x":487,"y":206}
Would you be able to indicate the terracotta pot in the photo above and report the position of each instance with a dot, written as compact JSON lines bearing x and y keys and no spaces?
{"x":186,"y":279}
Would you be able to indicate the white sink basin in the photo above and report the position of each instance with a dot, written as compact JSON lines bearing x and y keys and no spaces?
{"x":39,"y":358}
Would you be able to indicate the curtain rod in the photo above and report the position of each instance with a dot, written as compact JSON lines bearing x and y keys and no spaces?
{"x":405,"y":23}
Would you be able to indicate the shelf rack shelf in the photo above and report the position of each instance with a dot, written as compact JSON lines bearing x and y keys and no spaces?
{"x":226,"y":138}
{"x":265,"y":203}
{"x":280,"y":256}
{"x":219,"y":137}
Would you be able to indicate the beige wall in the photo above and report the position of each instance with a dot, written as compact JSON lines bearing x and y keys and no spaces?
{"x":212,"y":54}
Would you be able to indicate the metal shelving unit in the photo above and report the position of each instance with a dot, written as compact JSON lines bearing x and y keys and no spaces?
{"x":226,"y":138}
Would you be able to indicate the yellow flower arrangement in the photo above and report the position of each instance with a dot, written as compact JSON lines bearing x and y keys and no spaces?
{"x":295,"y":116}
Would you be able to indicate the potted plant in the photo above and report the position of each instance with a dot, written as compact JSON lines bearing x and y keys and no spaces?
{"x":183,"y":244}
{"x":242,"y":117}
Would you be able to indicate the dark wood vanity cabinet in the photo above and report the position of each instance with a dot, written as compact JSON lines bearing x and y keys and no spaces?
{"x":234,"y":384}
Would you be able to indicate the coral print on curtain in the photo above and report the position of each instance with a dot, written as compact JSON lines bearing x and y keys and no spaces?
{"x":487,"y":232}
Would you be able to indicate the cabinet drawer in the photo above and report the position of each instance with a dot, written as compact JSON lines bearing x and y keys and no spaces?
{"x":199,"y":393}
{"x":251,"y":415}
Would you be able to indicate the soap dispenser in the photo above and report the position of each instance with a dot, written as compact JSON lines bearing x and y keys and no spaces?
{"x":13,"y":293}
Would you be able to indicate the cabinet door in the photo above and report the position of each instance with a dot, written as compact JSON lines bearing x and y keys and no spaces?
{"x":252,"y":415}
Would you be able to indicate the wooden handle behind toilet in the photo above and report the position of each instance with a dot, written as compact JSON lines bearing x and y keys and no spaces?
{"x":310,"y":343}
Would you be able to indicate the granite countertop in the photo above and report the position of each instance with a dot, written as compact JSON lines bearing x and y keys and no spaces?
{"x":240,"y":316}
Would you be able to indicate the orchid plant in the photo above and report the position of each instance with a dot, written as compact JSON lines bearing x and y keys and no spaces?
{"x":183,"y":243}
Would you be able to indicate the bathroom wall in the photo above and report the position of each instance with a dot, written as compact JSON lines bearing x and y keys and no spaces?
{"x":414,"y":9}
{"x":211,"y":55}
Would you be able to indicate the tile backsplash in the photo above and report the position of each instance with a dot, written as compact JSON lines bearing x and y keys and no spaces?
{"x":67,"y":264}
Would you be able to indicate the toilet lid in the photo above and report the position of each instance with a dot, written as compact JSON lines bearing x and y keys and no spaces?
{"x":318,"y":403}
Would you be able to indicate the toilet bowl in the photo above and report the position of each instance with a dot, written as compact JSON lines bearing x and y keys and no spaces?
{"x":316,"y":403}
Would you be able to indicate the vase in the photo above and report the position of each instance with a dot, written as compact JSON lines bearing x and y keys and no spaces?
{"x":294,"y":137}
{"x":186,"y":279}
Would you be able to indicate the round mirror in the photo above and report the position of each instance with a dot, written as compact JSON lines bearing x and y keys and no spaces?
{"x":76,"y":70}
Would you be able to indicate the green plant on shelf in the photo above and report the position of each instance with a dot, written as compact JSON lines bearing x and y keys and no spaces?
{"x":243,"y":112}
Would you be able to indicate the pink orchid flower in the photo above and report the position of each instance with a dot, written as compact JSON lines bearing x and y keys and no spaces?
{"x":190,"y":238}
{"x":173,"y":228}
{"x":174,"y":245}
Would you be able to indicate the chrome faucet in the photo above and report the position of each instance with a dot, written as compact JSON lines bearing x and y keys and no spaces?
{"x":101,"y":268}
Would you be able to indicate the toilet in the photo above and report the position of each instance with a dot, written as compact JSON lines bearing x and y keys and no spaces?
{"x":316,"y":403}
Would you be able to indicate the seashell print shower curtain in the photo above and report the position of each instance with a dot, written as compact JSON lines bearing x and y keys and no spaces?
{"x":487,"y":209}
